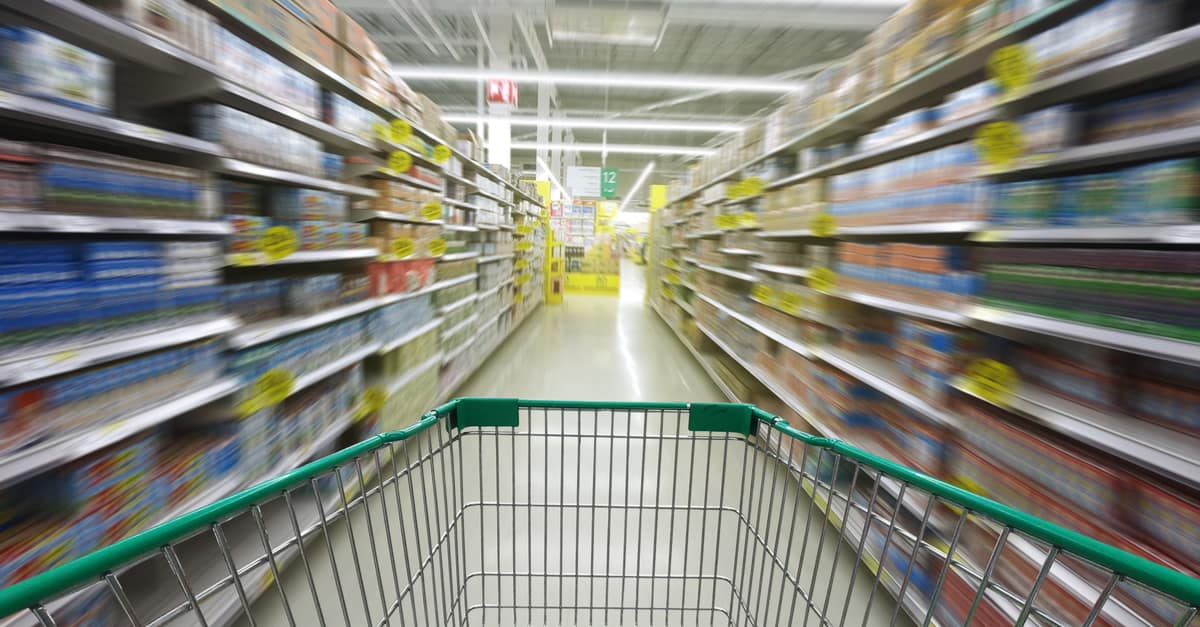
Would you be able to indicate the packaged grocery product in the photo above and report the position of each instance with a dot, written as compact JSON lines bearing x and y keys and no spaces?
{"x":35,"y":64}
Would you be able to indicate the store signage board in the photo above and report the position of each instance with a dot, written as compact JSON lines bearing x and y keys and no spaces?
{"x":584,"y":181}
{"x":608,"y":182}
{"x":500,"y":91}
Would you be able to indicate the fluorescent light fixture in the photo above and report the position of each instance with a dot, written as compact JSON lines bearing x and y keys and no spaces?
{"x":554,"y":180}
{"x":600,"y":123}
{"x":636,"y":186}
{"x":631,"y":149}
{"x":599,"y":79}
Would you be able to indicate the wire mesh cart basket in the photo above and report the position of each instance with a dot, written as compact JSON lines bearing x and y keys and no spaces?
{"x":514,"y":512}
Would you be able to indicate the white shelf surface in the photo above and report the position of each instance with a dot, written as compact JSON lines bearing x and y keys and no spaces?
{"x":33,"y":221}
{"x":462,"y":228}
{"x":460,"y":204}
{"x":937,"y":314}
{"x":1149,"y":445}
{"x":491,"y":258}
{"x":465,"y":322}
{"x":411,"y":180}
{"x":465,"y":182}
{"x":916,"y":228}
{"x":791,"y":344}
{"x":17,"y":465}
{"x":781,"y":269}
{"x":733,"y":274}
{"x":362,"y":216}
{"x":441,"y":285}
{"x":309,"y":379}
{"x":740,"y":252}
{"x":785,"y":233}
{"x":398,"y":383}
{"x":80,"y":354}
{"x":244,"y":169}
{"x":883,"y":376}
{"x":458,"y":304}
{"x":392,"y":345}
{"x":460,"y":256}
{"x":307,"y":256}
{"x":1167,"y":234}
{"x":1129,"y":341}
{"x":268,"y":330}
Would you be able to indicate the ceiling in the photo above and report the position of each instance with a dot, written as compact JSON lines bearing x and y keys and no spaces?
{"x":778,"y":39}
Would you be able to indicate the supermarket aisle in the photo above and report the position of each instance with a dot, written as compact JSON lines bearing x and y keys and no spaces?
{"x":595,"y":348}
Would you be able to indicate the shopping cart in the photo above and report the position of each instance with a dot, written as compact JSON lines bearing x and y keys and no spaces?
{"x":506,"y":512}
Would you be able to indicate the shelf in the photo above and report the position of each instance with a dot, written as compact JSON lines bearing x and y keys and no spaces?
{"x":84,"y":353}
{"x":740,"y":252}
{"x":507,"y":227}
{"x":460,"y":256}
{"x":918,"y":228}
{"x":1173,"y":234}
{"x":458,"y":304}
{"x":684,"y":306}
{"x":459,"y":180}
{"x":363,"y":216}
{"x":243,"y":169}
{"x":451,"y":355}
{"x":259,"y":105}
{"x":268,"y":330}
{"x":441,"y":285}
{"x":882,"y":375}
{"x":406,"y":179}
{"x":494,"y":317}
{"x":1160,"y":145}
{"x":316,"y":376}
{"x":489,"y":291}
{"x":780,"y":269}
{"x":459,"y":228}
{"x":465,"y":322}
{"x":491,"y":258}
{"x":487,"y":227}
{"x":786,"y":234}
{"x":1149,"y":445}
{"x":956,"y":131}
{"x":793,"y":345}
{"x":15,"y":107}
{"x":700,"y":359}
{"x":948,"y":316}
{"x":1128,"y":341}
{"x":492,"y":196}
{"x":23,"y":463}
{"x":33,"y":221}
{"x":733,"y":274}
{"x":460,"y":204}
{"x":249,"y":260}
{"x":397,"y":384}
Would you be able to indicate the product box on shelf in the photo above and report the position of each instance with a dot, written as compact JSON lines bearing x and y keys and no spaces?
{"x":80,"y":79}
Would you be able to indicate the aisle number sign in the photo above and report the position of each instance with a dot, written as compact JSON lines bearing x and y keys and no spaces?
{"x":608,"y":182}
{"x":432,"y":211}
{"x":1011,"y":67}
{"x":1000,"y":143}
{"x":403,"y":247}
{"x":822,"y":279}
{"x":991,"y":380}
{"x":442,"y":153}
{"x":822,"y":225}
{"x":400,"y":162}
{"x":278,"y":242}
{"x":437,"y":247}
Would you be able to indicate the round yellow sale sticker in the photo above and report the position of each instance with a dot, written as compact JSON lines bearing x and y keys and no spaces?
{"x":373,"y":401}
{"x":400,"y":162}
{"x":762,"y":293}
{"x":382,"y":131}
{"x":524,"y":229}
{"x":278,"y":242}
{"x":520,"y":264}
{"x":1011,"y":67}
{"x":1000,"y":143}
{"x":790,"y":302}
{"x":748,"y":220}
{"x":437,"y":247}
{"x":432,"y":211}
{"x":822,"y":225}
{"x":401,"y":130}
{"x":726,"y":222}
{"x":524,"y":245}
{"x":403,"y":247}
{"x":991,"y":380}
{"x":442,"y":153}
{"x":273,"y":386}
{"x":752,"y":186}
{"x":733,"y":190}
{"x":822,"y":280}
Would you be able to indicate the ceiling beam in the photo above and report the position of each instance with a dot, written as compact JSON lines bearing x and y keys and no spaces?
{"x":630,"y":80}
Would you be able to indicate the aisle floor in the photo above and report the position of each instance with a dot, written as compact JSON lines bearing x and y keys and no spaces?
{"x":588,"y":348}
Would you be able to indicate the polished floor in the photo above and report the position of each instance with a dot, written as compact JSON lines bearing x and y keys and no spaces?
{"x":595,"y":347}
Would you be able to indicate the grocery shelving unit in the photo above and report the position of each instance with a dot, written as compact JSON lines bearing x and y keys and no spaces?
{"x":692,"y":291}
{"x":176,"y":76}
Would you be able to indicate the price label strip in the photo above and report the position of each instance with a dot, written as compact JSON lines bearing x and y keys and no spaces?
{"x":278,"y":242}
{"x":991,"y":380}
{"x":432,"y":211}
{"x":400,"y":162}
{"x":823,"y":280}
{"x":1000,"y":143}
{"x":437,"y":247}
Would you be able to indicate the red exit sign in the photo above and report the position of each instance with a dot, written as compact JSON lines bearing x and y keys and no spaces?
{"x":502,"y":91}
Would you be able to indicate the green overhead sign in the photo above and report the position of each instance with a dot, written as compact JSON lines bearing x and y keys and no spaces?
{"x":608,"y":182}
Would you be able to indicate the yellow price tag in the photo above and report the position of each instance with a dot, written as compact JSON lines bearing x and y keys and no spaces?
{"x":673,"y":279}
{"x":665,"y":292}
{"x":525,"y":245}
{"x":243,"y":259}
{"x":748,"y":220}
{"x":403,"y":247}
{"x":1011,"y":67}
{"x":822,"y":225}
{"x":382,"y":131}
{"x":442,"y":153}
{"x":400,"y":162}
{"x":762,"y":293}
{"x":752,"y":186}
{"x":520,"y":264}
{"x":524,"y":229}
{"x":437,"y":247}
{"x":822,"y":280}
{"x":522,"y":280}
{"x":1000,"y":143}
{"x":373,"y":401}
{"x":519,"y":297}
{"x":671,"y":264}
{"x":790,"y":302}
{"x":401,"y":131}
{"x":270,"y":389}
{"x":726,"y":222}
{"x":733,"y":190}
{"x":991,"y":380}
{"x":278,"y":242}
{"x":432,"y":211}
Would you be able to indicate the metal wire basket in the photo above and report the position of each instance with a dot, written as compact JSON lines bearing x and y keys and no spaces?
{"x":549,"y":512}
